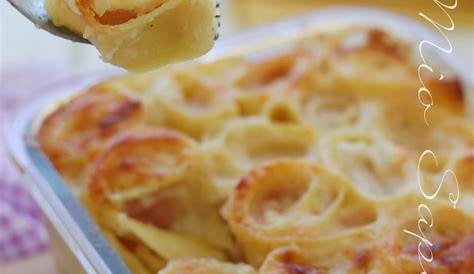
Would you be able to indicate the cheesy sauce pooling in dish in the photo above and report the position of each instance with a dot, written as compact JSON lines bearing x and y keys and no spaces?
{"x":143,"y":34}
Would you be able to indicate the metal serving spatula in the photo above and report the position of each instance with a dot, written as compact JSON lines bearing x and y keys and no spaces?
{"x":35,"y":12}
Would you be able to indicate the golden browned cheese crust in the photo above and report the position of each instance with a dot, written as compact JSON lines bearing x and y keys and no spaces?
{"x":83,"y":125}
{"x":302,"y":161}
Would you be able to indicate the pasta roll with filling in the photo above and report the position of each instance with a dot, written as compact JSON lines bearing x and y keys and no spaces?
{"x":140,"y":35}
{"x":328,"y":260}
{"x":74,"y":134}
{"x":287,"y":70}
{"x":157,"y":180}
{"x":194,"y":106}
{"x":447,"y":235}
{"x":448,"y":130}
{"x":354,"y":57}
{"x":266,"y":211}
{"x":241,"y":145}
{"x":175,"y":158}
{"x":277,"y":76}
{"x":325,"y":111}
{"x":378,"y":168}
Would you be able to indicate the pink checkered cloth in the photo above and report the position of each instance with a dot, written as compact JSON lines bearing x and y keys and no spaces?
{"x":22,"y":230}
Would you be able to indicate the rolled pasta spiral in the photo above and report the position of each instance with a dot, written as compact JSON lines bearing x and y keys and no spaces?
{"x":84,"y":125}
{"x":266,"y":212}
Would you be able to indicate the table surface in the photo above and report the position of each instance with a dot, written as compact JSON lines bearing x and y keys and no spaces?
{"x":40,"y":264}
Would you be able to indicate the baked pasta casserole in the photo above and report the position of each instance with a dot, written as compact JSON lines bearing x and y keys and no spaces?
{"x":302,"y":160}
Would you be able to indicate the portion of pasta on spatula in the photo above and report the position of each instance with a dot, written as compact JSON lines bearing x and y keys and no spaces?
{"x":140,"y":35}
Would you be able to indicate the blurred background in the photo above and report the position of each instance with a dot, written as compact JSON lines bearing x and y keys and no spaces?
{"x":32,"y":60}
